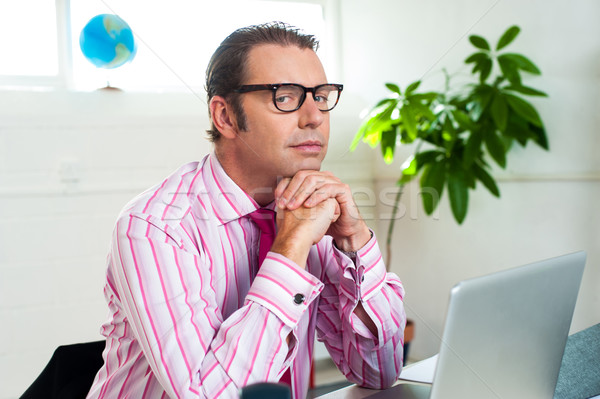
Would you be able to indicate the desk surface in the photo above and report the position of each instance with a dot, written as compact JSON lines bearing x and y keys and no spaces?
{"x":354,"y":392}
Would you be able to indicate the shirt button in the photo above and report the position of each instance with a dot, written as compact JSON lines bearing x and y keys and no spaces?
{"x":299,"y":299}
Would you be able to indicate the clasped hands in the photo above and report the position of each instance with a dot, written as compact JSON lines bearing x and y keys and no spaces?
{"x":311,"y":204}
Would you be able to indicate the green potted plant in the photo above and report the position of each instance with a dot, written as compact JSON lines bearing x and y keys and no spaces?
{"x":460,"y":131}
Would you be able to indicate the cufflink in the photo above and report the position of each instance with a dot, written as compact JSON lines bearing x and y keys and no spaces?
{"x":299,"y":299}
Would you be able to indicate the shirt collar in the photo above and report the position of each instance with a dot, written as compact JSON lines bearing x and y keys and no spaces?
{"x":228,"y":200}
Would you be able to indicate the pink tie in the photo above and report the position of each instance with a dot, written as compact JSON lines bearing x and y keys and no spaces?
{"x":265,"y":221}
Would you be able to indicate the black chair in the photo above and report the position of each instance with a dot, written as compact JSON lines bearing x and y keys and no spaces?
{"x":70,"y":372}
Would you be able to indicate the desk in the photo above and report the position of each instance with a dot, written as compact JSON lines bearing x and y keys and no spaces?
{"x":355,"y":392}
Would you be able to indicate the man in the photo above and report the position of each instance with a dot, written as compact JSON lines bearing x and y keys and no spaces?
{"x":194,"y":311}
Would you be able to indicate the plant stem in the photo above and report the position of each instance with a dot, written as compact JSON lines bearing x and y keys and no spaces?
{"x":388,"y":243}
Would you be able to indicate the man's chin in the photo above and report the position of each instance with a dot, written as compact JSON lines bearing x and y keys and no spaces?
{"x":314,"y":164}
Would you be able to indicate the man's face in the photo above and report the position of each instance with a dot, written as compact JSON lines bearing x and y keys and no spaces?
{"x":279,"y":143}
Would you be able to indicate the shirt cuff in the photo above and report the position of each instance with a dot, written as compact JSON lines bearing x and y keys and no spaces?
{"x":284,"y":288}
{"x":364,"y":276}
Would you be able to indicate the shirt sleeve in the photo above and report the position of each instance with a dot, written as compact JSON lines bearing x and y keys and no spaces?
{"x":167,"y":295}
{"x":373,"y":361}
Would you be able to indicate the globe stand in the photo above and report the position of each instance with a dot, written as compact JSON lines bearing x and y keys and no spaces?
{"x":108,"y":87}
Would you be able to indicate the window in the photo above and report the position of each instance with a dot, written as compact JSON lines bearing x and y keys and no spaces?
{"x":29,"y":44}
{"x":174,"y":39}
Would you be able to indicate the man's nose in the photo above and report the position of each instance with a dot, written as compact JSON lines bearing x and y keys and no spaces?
{"x":310,"y":115}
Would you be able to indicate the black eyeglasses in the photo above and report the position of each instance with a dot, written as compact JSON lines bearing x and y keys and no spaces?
{"x":289,"y":97}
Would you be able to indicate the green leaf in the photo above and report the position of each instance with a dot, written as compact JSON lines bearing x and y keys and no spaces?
{"x":388,"y":145}
{"x":424,"y":157}
{"x":508,"y":37}
{"x":412,"y":87}
{"x":485,"y":67}
{"x":409,"y":170}
{"x":510,"y":70}
{"x":522,"y":63}
{"x":385,"y":101}
{"x":507,"y":141}
{"x":449,"y":134}
{"x":472,"y":148}
{"x":484,"y":177}
{"x":530,"y":91}
{"x":427,"y":97}
{"x":409,"y":122}
{"x":470,"y":178}
{"x":375,"y":118}
{"x":518,"y":128}
{"x":479,"y":101}
{"x":479,"y":42}
{"x":419,"y":109}
{"x":393,"y":87}
{"x":432,"y":185}
{"x":499,"y":110}
{"x":496,"y":148}
{"x":463,"y":119}
{"x":357,"y":138}
{"x":524,"y":109}
{"x":477,"y":57}
{"x":458,"y":191}
{"x":540,"y":136}
{"x":379,"y":120}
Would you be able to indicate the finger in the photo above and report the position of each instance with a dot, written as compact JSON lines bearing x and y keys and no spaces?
{"x":279,"y":190}
{"x":324,"y":192}
{"x":310,"y":184}
{"x":317,"y":197}
{"x":289,"y":186}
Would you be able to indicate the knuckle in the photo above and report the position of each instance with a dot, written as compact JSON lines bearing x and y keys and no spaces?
{"x":314,"y":179}
{"x":302,"y":173}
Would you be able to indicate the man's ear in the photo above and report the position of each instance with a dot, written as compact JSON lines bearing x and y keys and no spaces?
{"x":223,"y":117}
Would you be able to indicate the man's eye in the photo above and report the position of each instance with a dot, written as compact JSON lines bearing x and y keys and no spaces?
{"x":322,"y":97}
{"x":286,"y":97}
{"x":283,"y":99}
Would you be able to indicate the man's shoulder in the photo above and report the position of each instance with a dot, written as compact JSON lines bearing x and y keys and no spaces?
{"x":171,"y":198}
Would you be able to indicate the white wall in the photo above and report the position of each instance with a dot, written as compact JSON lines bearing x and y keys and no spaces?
{"x":548,"y":205}
{"x":70,"y":161}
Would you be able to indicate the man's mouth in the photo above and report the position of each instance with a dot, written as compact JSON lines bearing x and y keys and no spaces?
{"x":311,"y":146}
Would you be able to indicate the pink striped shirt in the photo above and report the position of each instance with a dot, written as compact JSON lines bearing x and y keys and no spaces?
{"x":191,"y":314}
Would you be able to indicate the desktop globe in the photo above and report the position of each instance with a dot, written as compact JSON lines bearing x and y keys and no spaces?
{"x":107,"y":41}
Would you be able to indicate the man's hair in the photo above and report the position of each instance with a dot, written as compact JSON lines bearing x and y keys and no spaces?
{"x":227,"y":67}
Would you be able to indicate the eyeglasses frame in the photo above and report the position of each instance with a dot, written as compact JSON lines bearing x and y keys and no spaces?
{"x":274,"y":86}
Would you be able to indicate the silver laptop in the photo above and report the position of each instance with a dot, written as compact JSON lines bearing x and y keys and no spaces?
{"x":505,"y":334}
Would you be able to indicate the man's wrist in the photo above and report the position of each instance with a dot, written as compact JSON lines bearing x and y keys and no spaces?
{"x":351,"y":244}
{"x":292,"y":246}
